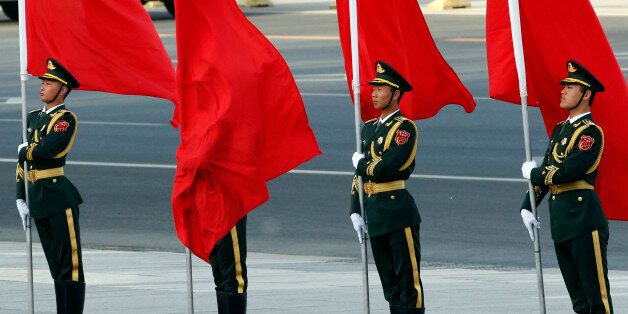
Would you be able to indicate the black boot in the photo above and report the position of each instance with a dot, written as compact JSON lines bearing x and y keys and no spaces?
{"x":236,"y":303}
{"x":396,"y":309}
{"x":74,"y":297}
{"x":60,"y":294}
{"x":414,"y":310}
{"x":221,"y":301}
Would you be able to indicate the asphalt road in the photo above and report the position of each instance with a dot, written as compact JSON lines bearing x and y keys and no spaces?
{"x":472,"y":223}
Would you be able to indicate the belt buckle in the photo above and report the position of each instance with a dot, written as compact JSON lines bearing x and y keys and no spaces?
{"x":369,"y":188}
{"x":553,"y":189}
{"x":32,"y":175}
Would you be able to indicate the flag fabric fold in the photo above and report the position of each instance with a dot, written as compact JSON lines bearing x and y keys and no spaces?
{"x":396,"y":33}
{"x":241,"y":119}
{"x":109,"y":46}
{"x":554,"y":32}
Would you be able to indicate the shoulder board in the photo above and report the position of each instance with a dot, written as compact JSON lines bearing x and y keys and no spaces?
{"x":588,"y":122}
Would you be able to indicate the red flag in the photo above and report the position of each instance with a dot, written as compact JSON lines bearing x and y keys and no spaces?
{"x":554,"y":32}
{"x":109,"y":46}
{"x":242,"y":121}
{"x":395,"y":32}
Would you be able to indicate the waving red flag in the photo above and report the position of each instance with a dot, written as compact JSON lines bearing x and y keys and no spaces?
{"x":554,"y":32}
{"x":242,"y":121}
{"x":395,"y":32}
{"x":109,"y":46}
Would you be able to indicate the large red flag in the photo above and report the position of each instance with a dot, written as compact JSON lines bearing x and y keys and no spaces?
{"x":242,"y":121}
{"x":109,"y":46}
{"x":395,"y":32}
{"x":554,"y":32}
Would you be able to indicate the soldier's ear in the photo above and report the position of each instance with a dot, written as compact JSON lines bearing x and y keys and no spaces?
{"x":587,"y":95}
{"x":397,"y":95}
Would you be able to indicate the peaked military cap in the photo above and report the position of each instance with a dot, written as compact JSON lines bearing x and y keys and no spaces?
{"x":386,"y":75}
{"x":577,"y":74}
{"x":57,"y":72}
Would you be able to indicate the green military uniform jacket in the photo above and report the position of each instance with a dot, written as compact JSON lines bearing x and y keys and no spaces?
{"x":50,"y":138}
{"x":568,"y":172}
{"x":389,"y":157}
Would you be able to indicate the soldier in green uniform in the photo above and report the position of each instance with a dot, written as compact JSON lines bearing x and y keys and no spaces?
{"x":578,"y":224}
{"x":390,"y":144}
{"x":53,"y":199}
{"x":228,"y":262}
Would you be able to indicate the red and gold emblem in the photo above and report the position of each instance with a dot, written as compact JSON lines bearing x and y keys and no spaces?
{"x":61,"y":126}
{"x":402,"y":137}
{"x":586,"y":142}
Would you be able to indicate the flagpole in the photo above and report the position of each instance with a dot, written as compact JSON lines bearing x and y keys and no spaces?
{"x":188,"y":267}
{"x":23,"y":78}
{"x":517,"y":41}
{"x":355,"y":66}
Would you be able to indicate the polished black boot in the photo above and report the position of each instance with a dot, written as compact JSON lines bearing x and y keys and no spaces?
{"x":74,"y":297}
{"x":236,"y":303}
{"x":396,"y":309}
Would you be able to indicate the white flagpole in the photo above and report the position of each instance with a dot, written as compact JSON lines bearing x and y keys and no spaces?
{"x":23,"y":78}
{"x":355,"y":65}
{"x":515,"y":26}
{"x":188,"y":267}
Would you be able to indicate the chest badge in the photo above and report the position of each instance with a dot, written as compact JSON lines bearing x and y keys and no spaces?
{"x":380,"y":140}
{"x":564,"y":141}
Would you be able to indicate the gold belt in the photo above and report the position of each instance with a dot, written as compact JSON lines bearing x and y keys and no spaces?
{"x":34,"y":175}
{"x":372,"y":188}
{"x":577,"y":185}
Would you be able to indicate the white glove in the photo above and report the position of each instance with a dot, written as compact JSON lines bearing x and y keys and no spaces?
{"x":359,"y":226}
{"x":530,"y":222}
{"x":527,"y":167}
{"x":22,"y":207}
{"x":19,"y":148}
{"x":356,"y":159}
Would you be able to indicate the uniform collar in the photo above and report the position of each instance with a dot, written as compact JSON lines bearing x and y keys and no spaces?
{"x":576,"y":118}
{"x":388,"y":116}
{"x":51,"y":109}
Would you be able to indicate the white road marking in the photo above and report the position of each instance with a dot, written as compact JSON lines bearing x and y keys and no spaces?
{"x":12,"y":101}
{"x":296,"y":171}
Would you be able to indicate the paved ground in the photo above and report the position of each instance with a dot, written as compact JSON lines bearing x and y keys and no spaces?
{"x":155,"y":282}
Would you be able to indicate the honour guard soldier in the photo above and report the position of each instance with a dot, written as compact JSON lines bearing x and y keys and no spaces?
{"x":389,"y":144}
{"x":53,"y":199}
{"x":578,"y":224}
{"x":228,"y":261}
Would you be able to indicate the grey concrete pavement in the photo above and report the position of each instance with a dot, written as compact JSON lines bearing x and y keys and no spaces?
{"x":155,"y":282}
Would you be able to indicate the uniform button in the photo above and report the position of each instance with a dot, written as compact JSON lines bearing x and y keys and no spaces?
{"x":543,"y":172}
{"x":54,"y":180}
{"x":392,"y":197}
{"x":31,"y":167}
{"x":579,"y":198}
{"x":553,"y":197}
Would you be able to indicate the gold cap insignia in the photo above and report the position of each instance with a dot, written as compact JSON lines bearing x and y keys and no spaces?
{"x":571,"y":68}
{"x":380,"y":69}
{"x":51,"y":66}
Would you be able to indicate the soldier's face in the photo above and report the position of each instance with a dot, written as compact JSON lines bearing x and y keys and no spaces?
{"x":381,"y":96}
{"x":570,"y":95}
{"x":49,"y":90}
